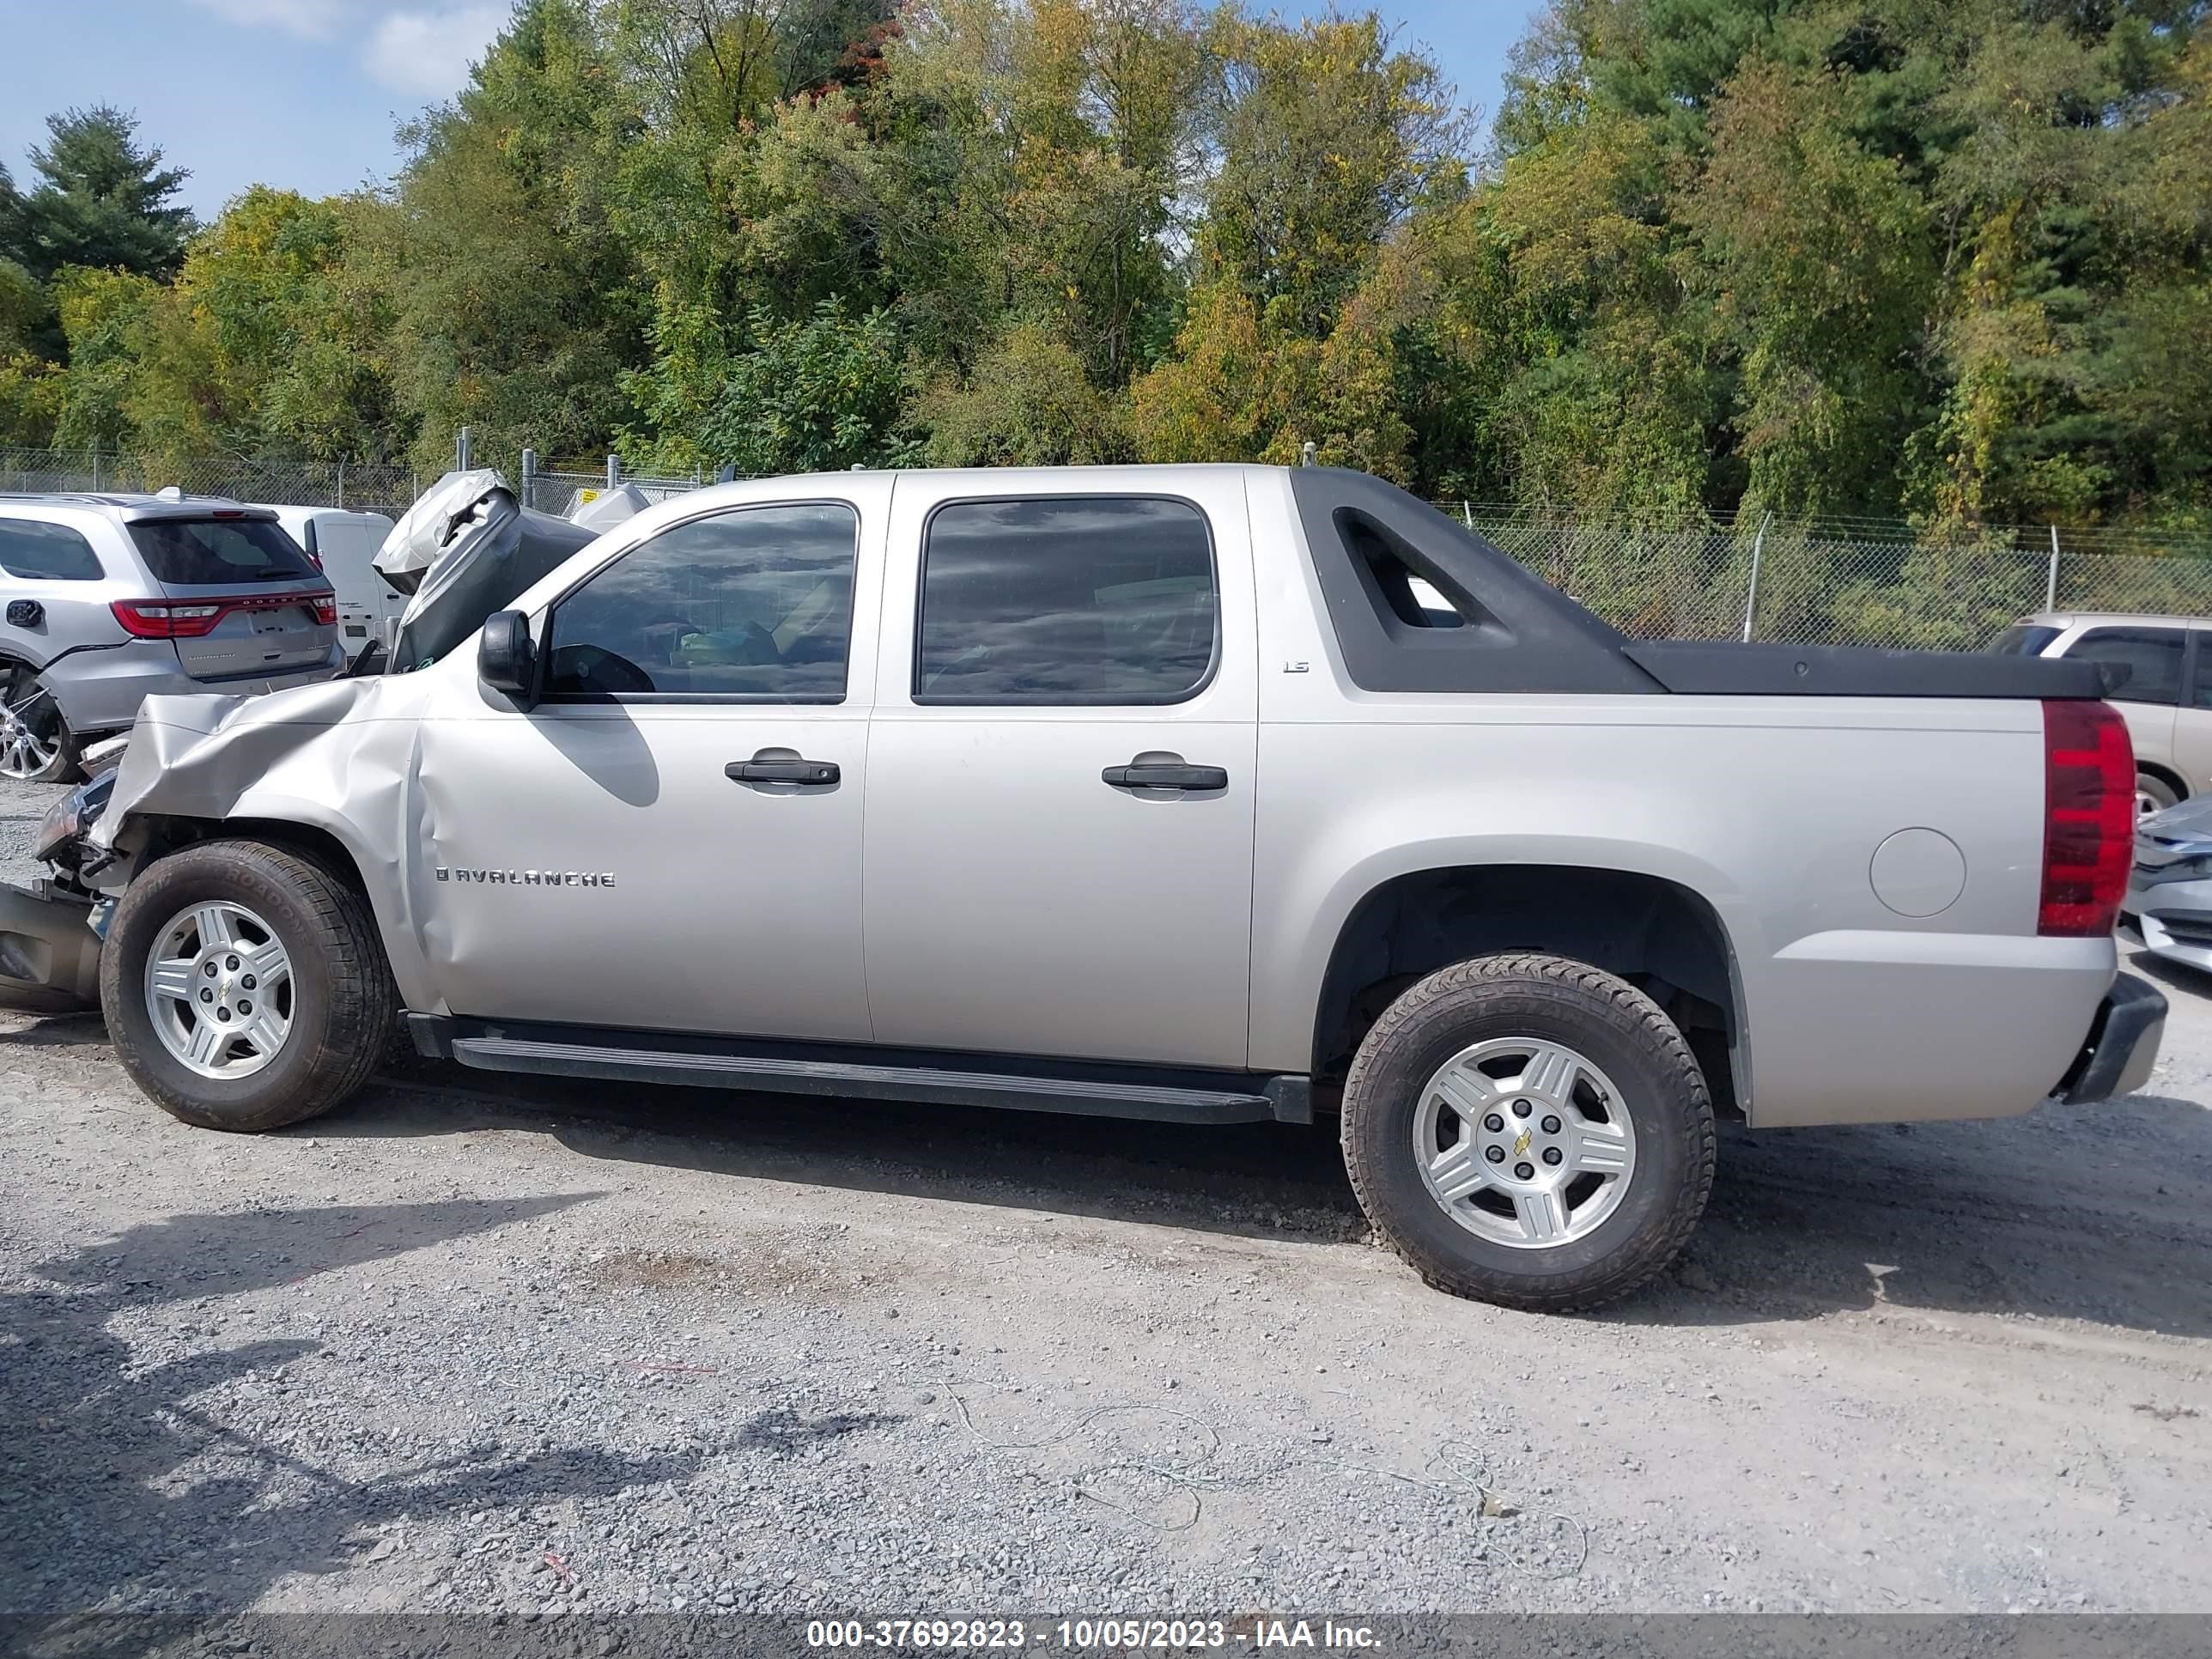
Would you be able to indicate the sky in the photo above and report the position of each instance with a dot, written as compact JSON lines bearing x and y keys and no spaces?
{"x":305,"y":94}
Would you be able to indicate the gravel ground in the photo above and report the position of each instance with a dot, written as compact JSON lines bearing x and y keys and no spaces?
{"x":535,"y":1348}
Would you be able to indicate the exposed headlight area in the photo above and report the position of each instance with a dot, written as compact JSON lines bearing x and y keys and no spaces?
{"x":68,"y":819}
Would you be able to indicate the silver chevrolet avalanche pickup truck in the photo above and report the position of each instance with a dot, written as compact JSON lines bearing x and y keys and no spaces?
{"x":1201,"y":793}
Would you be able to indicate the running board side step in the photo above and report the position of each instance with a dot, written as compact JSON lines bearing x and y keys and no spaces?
{"x":830,"y":1070}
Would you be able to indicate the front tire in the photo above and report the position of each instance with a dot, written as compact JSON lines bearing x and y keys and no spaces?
{"x":1529,"y":1131}
{"x":244,"y":986}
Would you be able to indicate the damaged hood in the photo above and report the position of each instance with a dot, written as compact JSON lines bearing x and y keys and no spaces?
{"x":467,"y":548}
{"x":193,"y":756}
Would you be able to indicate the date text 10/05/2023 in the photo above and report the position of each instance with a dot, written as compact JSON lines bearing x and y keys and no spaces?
{"x":1108,"y":1635}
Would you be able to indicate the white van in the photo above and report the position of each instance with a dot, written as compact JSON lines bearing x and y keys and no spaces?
{"x":343,"y":543}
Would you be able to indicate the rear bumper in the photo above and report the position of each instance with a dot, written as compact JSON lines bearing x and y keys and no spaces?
{"x":49,"y":955}
{"x":1885,"y":1027}
{"x":2123,"y":1045}
{"x":99,"y":690}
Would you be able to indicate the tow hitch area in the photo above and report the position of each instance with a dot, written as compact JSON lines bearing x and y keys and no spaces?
{"x":49,"y":955}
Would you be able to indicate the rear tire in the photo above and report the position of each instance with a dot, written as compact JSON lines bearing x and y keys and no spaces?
{"x":1601,"y":1159}
{"x":339,"y":1005}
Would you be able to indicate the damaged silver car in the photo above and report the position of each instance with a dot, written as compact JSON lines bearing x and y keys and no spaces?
{"x":1208,"y":794}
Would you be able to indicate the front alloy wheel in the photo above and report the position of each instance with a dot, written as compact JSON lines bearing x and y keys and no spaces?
{"x":219,"y":988}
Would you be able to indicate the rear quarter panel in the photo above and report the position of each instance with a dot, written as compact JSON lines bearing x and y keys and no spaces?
{"x":1771,"y":809}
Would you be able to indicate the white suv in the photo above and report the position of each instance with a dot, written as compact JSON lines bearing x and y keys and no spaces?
{"x":107,"y":600}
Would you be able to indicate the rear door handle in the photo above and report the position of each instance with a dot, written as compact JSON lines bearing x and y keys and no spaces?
{"x":812,"y":773}
{"x":1166,"y":774}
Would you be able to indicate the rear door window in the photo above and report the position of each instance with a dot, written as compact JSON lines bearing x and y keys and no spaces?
{"x":1066,"y":600}
{"x":36,"y":552}
{"x":2152,"y":657}
{"x":220,"y":553}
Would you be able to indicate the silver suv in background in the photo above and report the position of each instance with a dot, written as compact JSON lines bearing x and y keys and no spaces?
{"x":106,"y":601}
{"x":2166,"y":698}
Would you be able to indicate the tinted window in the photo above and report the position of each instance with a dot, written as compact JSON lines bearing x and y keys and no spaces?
{"x":220,"y":553}
{"x":2203,"y":697}
{"x":2152,"y":657}
{"x":755,"y":604}
{"x":46,"y":552}
{"x":2025,"y":640}
{"x":1098,"y":599}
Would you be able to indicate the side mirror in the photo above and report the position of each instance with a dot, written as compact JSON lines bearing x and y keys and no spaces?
{"x":506,"y":661}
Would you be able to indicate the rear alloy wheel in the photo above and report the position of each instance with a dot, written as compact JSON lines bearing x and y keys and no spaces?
{"x":36,"y":745}
{"x":1529,"y":1131}
{"x":1524,"y":1142}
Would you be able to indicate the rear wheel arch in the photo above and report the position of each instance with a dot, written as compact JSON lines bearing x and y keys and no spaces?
{"x":1659,"y":935}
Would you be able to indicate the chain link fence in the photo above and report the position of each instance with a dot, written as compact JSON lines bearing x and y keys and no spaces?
{"x":1841,"y":582}
{"x":1844,"y":583}
{"x":389,"y":489}
{"x":564,"y":492}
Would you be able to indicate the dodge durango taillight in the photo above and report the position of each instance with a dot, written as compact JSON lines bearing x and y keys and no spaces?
{"x":156,"y":619}
{"x":2088,"y":819}
{"x":173,"y":619}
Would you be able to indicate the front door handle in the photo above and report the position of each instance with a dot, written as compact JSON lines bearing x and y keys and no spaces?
{"x":1166,"y":774}
{"x":810,"y":774}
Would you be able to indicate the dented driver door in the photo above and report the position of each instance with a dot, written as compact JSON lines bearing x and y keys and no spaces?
{"x":670,"y":840}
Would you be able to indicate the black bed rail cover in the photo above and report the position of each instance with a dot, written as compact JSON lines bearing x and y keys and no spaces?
{"x":1514,"y":632}
{"x":1508,"y":630}
{"x":1724,"y":669}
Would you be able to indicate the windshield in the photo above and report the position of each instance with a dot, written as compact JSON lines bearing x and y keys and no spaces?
{"x":220,"y":552}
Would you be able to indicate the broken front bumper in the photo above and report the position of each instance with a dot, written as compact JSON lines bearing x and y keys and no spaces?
{"x":49,"y":955}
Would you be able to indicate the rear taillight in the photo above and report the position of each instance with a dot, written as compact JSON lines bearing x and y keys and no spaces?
{"x":157,"y":619}
{"x":170,"y":619}
{"x":2088,"y":819}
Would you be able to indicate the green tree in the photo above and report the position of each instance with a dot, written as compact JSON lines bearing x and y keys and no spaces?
{"x":1820,"y":267}
{"x":102,"y":201}
{"x":517,"y":308}
{"x":814,"y":396}
{"x":105,"y":317}
{"x":1028,"y":403}
{"x":267,"y":342}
